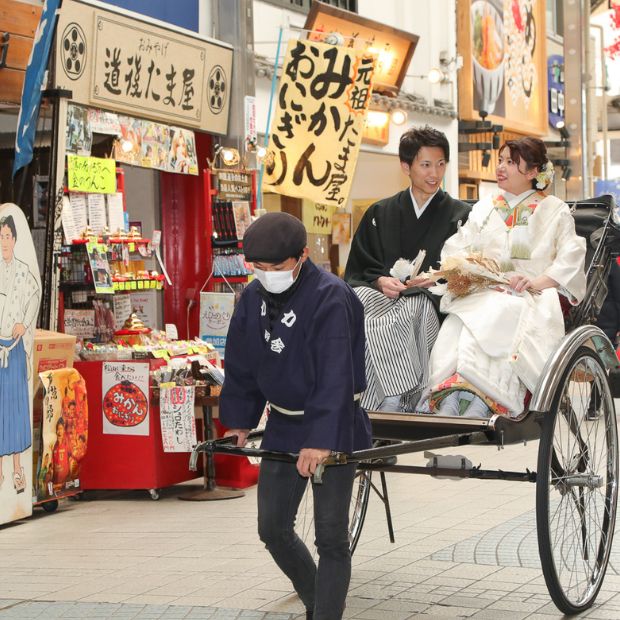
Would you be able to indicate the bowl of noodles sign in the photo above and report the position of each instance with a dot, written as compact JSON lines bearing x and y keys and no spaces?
{"x":487,"y":28}
{"x":125,"y":404}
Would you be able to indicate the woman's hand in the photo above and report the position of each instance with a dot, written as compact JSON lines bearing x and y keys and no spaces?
{"x":522,"y":283}
{"x":390,"y":287}
{"x":309,"y":458}
{"x":241,"y":433}
{"x":19,"y":329}
{"x":420,"y":281}
{"x":519,"y":283}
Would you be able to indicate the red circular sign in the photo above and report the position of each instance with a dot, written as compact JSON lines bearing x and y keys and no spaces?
{"x":125,"y":404}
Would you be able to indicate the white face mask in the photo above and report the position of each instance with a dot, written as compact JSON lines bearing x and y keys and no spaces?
{"x":276,"y":281}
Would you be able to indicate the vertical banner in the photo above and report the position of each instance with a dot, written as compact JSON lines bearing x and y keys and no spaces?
{"x":216,"y":310}
{"x":64,"y":436}
{"x":176,"y":414}
{"x":125,"y":390}
{"x":20,"y":294}
{"x":317,"y":129}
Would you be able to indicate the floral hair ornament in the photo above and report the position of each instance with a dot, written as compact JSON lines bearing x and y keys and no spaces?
{"x":545,"y":176}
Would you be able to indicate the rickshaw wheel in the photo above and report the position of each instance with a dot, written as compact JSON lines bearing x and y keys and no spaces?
{"x":304,"y":525}
{"x":577,"y":484}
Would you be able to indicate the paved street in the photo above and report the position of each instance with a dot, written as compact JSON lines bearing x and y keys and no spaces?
{"x":463,"y":549}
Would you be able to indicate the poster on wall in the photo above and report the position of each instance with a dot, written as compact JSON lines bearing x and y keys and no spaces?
{"x":313,"y":155}
{"x":125,"y":398}
{"x":182,"y":156}
{"x":64,"y":435}
{"x":504,"y":73}
{"x":216,"y":310}
{"x":176,"y":415}
{"x":20,"y":295}
{"x":98,"y":260}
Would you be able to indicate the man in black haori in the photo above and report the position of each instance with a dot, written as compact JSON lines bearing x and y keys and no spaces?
{"x":401,"y":316}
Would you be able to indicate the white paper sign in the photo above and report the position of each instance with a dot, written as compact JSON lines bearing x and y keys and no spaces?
{"x":172,"y":333}
{"x":96,"y":213}
{"x":216,"y":310}
{"x":80,"y":323}
{"x":125,"y":398}
{"x":176,"y":414}
{"x":145,"y":306}
{"x":116,"y":215}
{"x":80,"y":217}
{"x":68,"y":225}
{"x":122,"y":309}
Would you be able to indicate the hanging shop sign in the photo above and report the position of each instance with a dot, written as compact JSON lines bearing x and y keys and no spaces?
{"x":317,"y":130}
{"x":216,"y":310}
{"x":555,"y":80}
{"x":233,"y":184}
{"x":123,"y":64}
{"x":504,"y":72}
{"x":392,"y":48}
{"x":317,"y":218}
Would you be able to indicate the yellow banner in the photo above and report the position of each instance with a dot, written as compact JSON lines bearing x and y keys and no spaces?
{"x":317,"y":129}
{"x":91,"y":174}
{"x":317,"y":218}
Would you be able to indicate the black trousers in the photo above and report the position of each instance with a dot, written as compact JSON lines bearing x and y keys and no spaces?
{"x":323,"y":588}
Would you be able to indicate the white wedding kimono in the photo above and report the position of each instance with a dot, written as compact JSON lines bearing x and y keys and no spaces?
{"x":498,"y":341}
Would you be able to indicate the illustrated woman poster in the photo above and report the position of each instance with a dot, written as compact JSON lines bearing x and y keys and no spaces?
{"x":20,"y":295}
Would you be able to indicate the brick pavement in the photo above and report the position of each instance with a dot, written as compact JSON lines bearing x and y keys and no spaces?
{"x":464,"y":549}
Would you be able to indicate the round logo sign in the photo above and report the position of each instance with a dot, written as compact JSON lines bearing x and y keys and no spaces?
{"x":73,"y":56}
{"x":217,"y":89}
{"x":125,"y":404}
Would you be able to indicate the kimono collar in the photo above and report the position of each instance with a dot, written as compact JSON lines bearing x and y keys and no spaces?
{"x":420,"y":210}
{"x":513,"y":200}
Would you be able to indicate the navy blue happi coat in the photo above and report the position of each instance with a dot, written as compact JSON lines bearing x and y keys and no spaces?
{"x":309,"y":358}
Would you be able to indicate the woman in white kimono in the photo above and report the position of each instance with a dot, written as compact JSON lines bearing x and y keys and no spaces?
{"x":494,"y":343}
{"x":19,"y":304}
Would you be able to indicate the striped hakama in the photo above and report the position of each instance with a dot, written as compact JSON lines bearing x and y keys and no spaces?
{"x":400,"y":334}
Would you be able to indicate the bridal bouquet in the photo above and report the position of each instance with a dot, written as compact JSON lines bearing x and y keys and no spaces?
{"x":468,"y":274}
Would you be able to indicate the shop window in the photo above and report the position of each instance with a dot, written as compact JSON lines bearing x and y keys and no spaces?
{"x":555,"y":18}
{"x":303,"y":6}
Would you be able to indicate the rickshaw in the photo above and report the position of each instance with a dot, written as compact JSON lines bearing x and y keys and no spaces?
{"x":572,"y":415}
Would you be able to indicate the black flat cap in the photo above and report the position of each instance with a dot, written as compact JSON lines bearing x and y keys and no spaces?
{"x":273,"y":238}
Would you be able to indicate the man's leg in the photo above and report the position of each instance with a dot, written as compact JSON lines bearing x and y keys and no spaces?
{"x":280,"y":489}
{"x":332,"y":500}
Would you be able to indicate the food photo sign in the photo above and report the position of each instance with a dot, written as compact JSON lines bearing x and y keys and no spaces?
{"x":125,"y":406}
{"x":504,"y":73}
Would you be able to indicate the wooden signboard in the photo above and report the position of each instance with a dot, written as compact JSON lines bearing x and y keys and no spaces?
{"x":19,"y":21}
{"x":504,"y":72}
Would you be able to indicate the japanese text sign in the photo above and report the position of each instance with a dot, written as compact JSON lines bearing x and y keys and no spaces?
{"x":317,"y":219}
{"x":124,"y":64}
{"x":317,"y":130}
{"x":125,"y":394}
{"x":91,"y":174}
{"x":176,"y":415}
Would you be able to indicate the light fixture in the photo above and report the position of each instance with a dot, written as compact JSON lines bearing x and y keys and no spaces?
{"x":436,"y":75}
{"x":227,"y":154}
{"x":559,"y":125}
{"x":398,"y":116}
{"x":566,"y":174}
{"x":126,"y":145}
{"x":261,"y":151}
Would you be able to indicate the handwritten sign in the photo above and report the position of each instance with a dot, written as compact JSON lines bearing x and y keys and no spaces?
{"x":125,"y":401}
{"x":91,"y":174}
{"x":176,"y":415}
{"x":317,"y":130}
{"x":80,"y":323}
{"x":317,"y":218}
